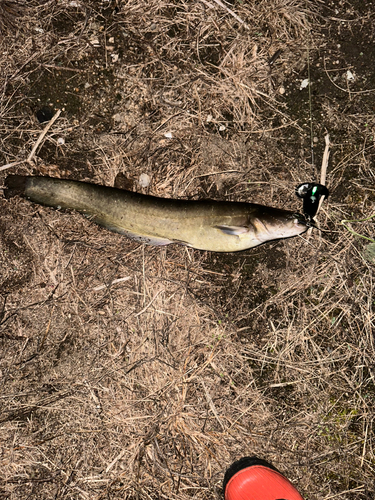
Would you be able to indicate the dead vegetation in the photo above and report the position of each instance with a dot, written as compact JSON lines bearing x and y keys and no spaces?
{"x":132,"y":372}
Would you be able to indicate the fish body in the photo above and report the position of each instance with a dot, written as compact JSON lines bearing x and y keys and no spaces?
{"x":206,"y":225}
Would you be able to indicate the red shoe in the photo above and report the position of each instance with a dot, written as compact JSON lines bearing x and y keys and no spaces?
{"x":252,"y":478}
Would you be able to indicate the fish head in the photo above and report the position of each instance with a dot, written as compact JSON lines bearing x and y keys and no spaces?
{"x":273,"y":224}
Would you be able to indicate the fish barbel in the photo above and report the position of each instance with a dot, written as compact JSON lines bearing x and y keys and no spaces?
{"x":217,"y":226}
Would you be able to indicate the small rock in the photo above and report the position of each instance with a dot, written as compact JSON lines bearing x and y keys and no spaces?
{"x":144,"y":180}
{"x":304,"y":84}
{"x":94,"y":41}
{"x":350,"y":76}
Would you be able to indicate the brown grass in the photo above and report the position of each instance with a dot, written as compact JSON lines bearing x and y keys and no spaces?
{"x":131,"y":372}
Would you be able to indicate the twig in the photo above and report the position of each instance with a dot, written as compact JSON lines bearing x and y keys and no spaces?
{"x":10,"y":165}
{"x":211,"y":405}
{"x":118,"y":280}
{"x":42,"y":135}
{"x":119,"y":457}
{"x":358,"y":488}
{"x":148,"y":305}
{"x":63,"y":68}
{"x":230,"y":11}
{"x":323,"y":171}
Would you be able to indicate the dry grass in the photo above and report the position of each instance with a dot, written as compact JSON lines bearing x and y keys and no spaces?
{"x":132,"y":372}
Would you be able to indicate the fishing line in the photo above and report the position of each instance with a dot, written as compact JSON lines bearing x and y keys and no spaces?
{"x":312,"y":224}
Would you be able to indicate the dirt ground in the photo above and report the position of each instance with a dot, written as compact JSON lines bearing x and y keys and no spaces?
{"x":139,"y":372}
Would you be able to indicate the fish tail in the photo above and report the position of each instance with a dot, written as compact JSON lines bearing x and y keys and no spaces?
{"x":15,"y":185}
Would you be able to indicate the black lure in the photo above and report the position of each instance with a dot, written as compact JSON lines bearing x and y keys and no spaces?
{"x":311,"y":193}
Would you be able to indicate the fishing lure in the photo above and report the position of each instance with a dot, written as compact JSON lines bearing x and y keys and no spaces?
{"x":311,"y":193}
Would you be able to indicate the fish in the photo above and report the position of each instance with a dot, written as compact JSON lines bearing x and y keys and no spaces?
{"x":216,"y":226}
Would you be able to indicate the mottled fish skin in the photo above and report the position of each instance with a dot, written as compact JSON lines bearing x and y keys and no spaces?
{"x":206,"y":225}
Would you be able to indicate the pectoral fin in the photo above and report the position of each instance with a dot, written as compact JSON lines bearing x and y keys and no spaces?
{"x":233,"y":230}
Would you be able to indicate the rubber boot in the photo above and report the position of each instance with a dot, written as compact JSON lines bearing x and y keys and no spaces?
{"x":252,"y":478}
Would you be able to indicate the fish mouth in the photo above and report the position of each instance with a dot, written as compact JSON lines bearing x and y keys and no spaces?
{"x":286,"y":220}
